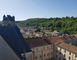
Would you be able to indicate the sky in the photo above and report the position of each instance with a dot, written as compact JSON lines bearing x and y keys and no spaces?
{"x":25,"y":9}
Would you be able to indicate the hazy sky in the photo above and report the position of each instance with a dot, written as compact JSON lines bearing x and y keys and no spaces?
{"x":24,"y":9}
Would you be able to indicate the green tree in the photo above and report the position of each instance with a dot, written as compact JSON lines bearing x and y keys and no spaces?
{"x":37,"y":30}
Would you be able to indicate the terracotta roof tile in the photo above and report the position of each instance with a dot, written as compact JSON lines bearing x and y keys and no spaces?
{"x":55,"y":39}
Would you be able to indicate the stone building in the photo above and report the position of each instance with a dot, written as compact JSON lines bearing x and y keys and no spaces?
{"x":64,"y":47}
{"x":65,"y":51}
{"x":53,"y":48}
{"x":70,"y":39}
{"x":38,"y":34}
{"x":41,"y":49}
{"x":8,"y":20}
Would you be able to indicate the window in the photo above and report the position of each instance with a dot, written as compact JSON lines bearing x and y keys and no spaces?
{"x":56,"y":51}
{"x":40,"y":56}
{"x":36,"y":57}
{"x":76,"y":55}
{"x":64,"y":55}
{"x":69,"y":58}
{"x":44,"y":55}
{"x":64,"y":50}
{"x":70,"y":53}
{"x":56,"y":56}
{"x":51,"y":45}
{"x":60,"y":53}
{"x":51,"y":53}
{"x":60,"y":49}
{"x":59,"y":58}
{"x":48,"y":54}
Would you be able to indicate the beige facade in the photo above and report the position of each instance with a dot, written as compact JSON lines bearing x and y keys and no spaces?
{"x":39,"y":35}
{"x":47,"y":52}
{"x":74,"y":56}
{"x":29,"y":56}
{"x":42,"y":52}
{"x":63,"y":54}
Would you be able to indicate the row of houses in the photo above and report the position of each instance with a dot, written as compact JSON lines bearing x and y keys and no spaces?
{"x":53,"y":48}
{"x":40,"y":34}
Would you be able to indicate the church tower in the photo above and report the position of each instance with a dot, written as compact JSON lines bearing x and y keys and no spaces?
{"x":8,"y":20}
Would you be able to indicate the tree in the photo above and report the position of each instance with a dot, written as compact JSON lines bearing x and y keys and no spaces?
{"x":37,"y":30}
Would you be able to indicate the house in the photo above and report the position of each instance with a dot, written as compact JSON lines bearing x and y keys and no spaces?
{"x":54,"y":46}
{"x":65,"y":51}
{"x":55,"y":39}
{"x":41,"y":49}
{"x":38,"y":34}
{"x":70,"y":39}
{"x":56,"y":33}
{"x":53,"y":33}
{"x":46,"y":31}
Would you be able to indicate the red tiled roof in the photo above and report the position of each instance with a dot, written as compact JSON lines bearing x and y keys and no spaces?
{"x":55,"y":39}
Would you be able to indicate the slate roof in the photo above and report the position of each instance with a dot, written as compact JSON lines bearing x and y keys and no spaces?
{"x":69,"y":37}
{"x":6,"y":53}
{"x":13,"y":37}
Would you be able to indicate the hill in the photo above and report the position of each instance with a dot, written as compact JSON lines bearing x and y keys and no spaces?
{"x":65,"y":24}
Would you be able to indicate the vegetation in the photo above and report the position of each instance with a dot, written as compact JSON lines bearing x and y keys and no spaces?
{"x":67,"y":25}
{"x":37,"y":30}
{"x":30,"y":36}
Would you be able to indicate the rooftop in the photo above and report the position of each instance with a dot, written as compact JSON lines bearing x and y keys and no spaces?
{"x":38,"y":32}
{"x":14,"y":39}
{"x":55,"y":39}
{"x":6,"y":53}
{"x":46,"y":30}
{"x":75,"y":35}
{"x":68,"y":47}
{"x":69,"y":37}
{"x":36,"y":42}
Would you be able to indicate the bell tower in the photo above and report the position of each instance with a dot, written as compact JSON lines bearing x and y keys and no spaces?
{"x":8,"y":20}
